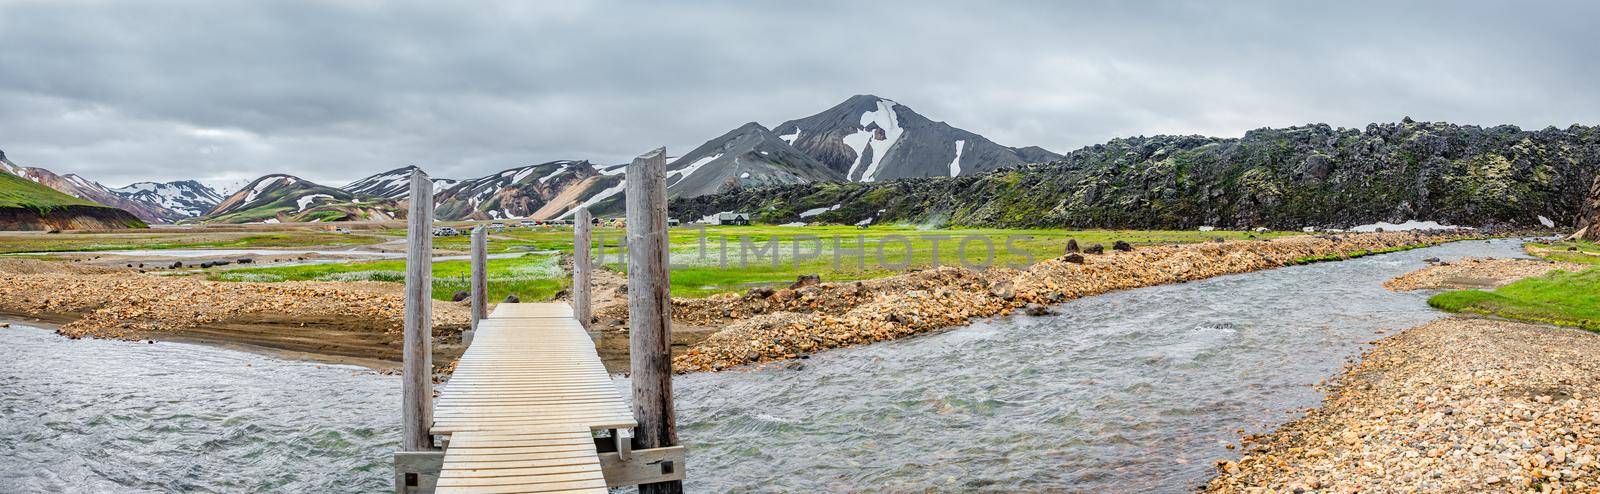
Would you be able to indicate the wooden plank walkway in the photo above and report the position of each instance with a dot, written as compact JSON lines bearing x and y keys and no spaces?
{"x":523,"y":403}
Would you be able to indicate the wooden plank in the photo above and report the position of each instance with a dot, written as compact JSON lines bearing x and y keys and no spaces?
{"x":650,"y":309}
{"x":417,"y":373}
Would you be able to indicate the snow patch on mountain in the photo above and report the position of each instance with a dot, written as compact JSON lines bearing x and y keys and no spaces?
{"x":889,"y":123}
{"x":955,"y":164}
{"x":303,"y":202}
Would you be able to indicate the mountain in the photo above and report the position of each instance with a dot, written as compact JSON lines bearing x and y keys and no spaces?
{"x":867,"y":139}
{"x":77,"y":186}
{"x":542,"y":191}
{"x":749,"y":156}
{"x":183,"y":199}
{"x":393,"y":184}
{"x":285,"y":198}
{"x":1312,"y":175}
{"x":29,"y":205}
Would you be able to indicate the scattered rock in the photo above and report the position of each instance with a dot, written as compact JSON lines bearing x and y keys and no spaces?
{"x":1036,"y":310}
{"x":512,"y":299}
{"x":805,"y":280}
{"x":1095,"y":249}
{"x":1073,"y":258}
{"x":459,"y":295}
{"x":1122,"y":246}
{"x":246,"y":261}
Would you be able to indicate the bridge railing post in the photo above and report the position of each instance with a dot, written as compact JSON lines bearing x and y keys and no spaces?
{"x":417,"y":463}
{"x":582,"y":223}
{"x":480,"y":282}
{"x":649,"y":310}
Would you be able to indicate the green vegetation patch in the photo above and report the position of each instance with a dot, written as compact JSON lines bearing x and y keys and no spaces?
{"x":530,"y":277}
{"x":1559,"y":297}
{"x":1580,"y":251}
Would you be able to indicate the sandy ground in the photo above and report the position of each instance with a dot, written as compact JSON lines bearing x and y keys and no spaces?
{"x":1457,"y":405}
{"x":1475,"y":273}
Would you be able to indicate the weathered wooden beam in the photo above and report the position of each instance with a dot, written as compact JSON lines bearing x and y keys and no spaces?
{"x":582,"y":224}
{"x":417,"y":394}
{"x":649,"y":309}
{"x":480,"y":276}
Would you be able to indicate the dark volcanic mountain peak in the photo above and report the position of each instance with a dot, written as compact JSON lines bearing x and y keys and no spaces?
{"x":868,"y":138}
{"x":748,"y":156}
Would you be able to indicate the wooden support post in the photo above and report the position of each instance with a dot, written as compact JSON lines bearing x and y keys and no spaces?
{"x":582,"y":223}
{"x":417,"y":397}
{"x":649,"y":309}
{"x":480,"y":279}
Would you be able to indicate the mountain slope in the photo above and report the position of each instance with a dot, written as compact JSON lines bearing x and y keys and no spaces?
{"x":183,"y":199}
{"x":542,"y":191}
{"x":1311,"y":175}
{"x":749,"y":156}
{"x":28,"y":205}
{"x":286,"y":198}
{"x":393,"y":184}
{"x":867,"y":139}
{"x":77,"y":186}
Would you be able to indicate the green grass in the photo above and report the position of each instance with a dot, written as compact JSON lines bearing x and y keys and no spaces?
{"x":20,"y":192}
{"x":530,"y":277}
{"x":1559,"y":297}
{"x":699,"y":275}
{"x":1585,"y":252}
{"x":177,"y":239}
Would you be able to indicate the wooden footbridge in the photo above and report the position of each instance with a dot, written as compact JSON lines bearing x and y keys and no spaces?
{"x":530,"y":408}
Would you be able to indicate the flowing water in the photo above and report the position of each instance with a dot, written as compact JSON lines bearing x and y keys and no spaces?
{"x":1132,"y":391}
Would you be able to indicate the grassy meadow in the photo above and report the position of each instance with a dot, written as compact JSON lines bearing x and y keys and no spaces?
{"x":529,"y":277}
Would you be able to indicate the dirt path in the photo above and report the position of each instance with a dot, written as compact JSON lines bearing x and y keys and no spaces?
{"x":1457,"y":405}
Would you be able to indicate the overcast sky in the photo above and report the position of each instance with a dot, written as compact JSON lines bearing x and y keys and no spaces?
{"x":226,"y":91}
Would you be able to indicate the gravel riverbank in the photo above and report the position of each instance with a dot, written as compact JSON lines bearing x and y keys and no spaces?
{"x":1457,"y":405}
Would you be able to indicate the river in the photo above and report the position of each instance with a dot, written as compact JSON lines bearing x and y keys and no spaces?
{"x":1133,"y":391}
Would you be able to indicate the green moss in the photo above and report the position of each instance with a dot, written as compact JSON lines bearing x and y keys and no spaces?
{"x":1559,"y":297}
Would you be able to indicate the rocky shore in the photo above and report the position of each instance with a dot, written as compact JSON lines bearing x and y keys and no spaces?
{"x":768,"y":325}
{"x":1475,"y":273}
{"x":1457,"y":405}
{"x":362,"y":319}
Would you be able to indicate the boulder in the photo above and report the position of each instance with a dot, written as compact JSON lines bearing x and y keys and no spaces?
{"x":1003,"y":290}
{"x":1589,"y":215}
{"x":459,"y":295}
{"x":805,"y":280}
{"x":1036,"y":310}
{"x":1074,"y":258}
{"x":512,"y":299}
{"x":1072,"y":245}
{"x":1095,"y":249}
{"x":1122,"y":246}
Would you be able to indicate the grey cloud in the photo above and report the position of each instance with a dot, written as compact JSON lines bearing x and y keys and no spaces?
{"x":229,"y":90}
